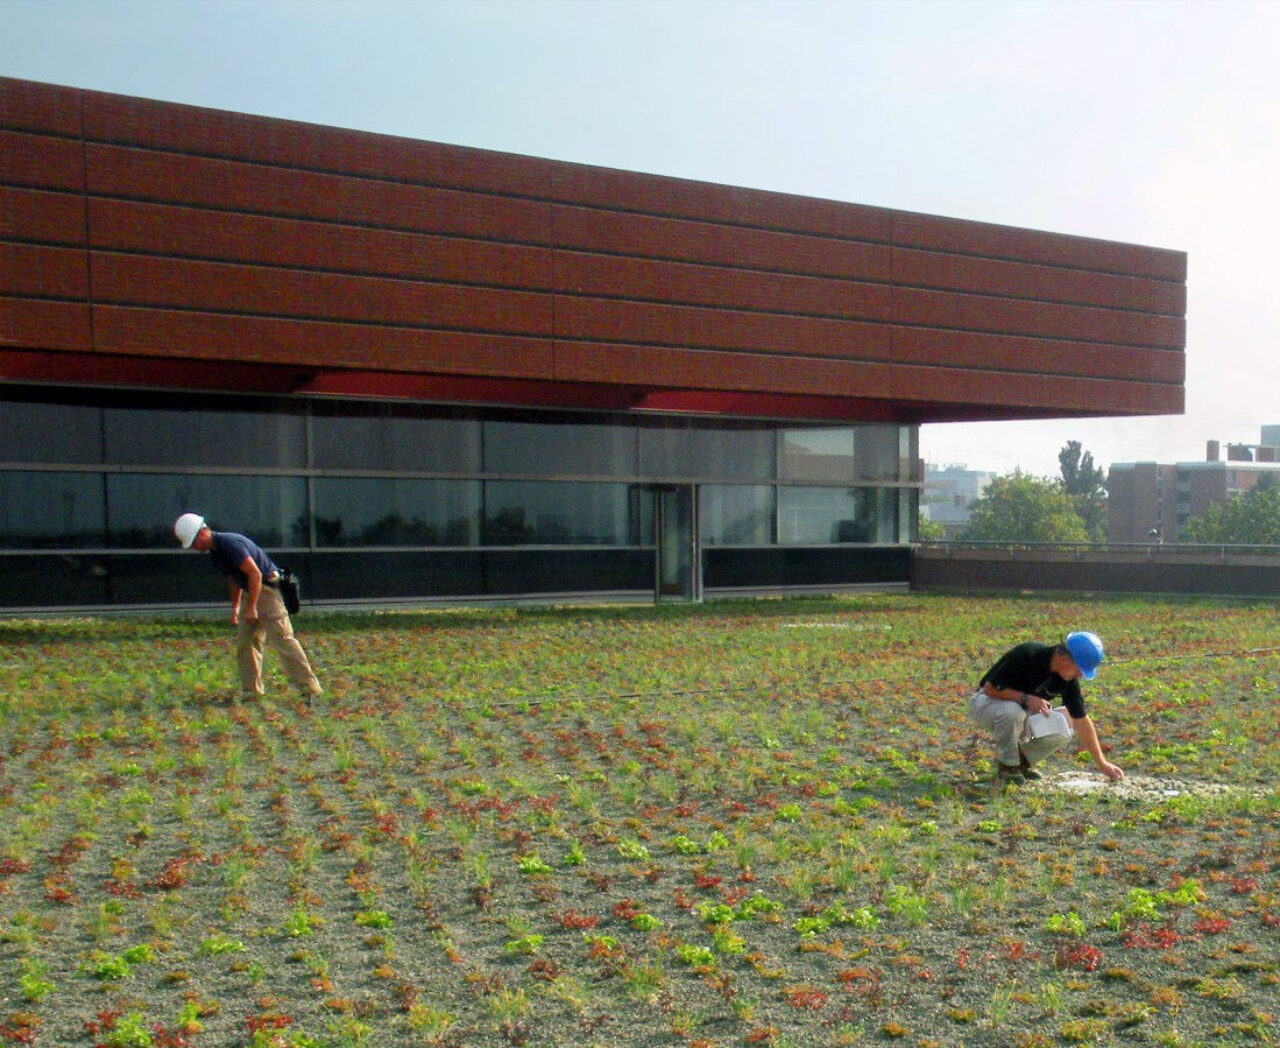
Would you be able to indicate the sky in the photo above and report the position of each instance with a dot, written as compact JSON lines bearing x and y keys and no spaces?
{"x":1154,"y":123}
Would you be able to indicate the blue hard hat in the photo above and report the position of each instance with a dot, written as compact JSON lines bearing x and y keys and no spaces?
{"x":1086,"y":650}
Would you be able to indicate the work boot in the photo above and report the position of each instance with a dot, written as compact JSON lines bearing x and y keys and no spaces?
{"x":1009,"y":775}
{"x":1029,"y":773}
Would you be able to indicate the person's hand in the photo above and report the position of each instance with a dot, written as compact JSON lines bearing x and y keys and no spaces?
{"x":1111,"y":771}
{"x":1042,"y":705}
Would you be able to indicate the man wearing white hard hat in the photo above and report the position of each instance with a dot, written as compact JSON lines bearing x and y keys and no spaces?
{"x":1012,"y":702}
{"x":257,"y":609}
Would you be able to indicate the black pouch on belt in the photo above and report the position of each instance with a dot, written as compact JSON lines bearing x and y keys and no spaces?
{"x":289,"y":591}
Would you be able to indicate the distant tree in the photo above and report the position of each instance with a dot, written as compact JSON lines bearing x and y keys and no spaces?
{"x":1018,"y":507}
{"x":1086,"y":485}
{"x":1251,"y":519}
{"x":930,"y":530}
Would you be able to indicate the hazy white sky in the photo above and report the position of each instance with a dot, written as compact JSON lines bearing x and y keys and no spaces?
{"x":1150,"y":122}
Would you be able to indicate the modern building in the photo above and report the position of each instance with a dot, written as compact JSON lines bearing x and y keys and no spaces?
{"x":418,"y":371}
{"x":949,"y":493}
{"x":1148,"y":501}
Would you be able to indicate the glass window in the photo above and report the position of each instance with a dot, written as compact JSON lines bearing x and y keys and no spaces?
{"x":153,"y":436}
{"x":376,"y":512}
{"x":908,"y":515}
{"x":141,"y":507}
{"x":47,"y":510}
{"x":32,"y":432}
{"x":678,"y":449}
{"x":546,"y":447}
{"x":876,"y":453}
{"x":820,"y":454}
{"x":393,"y":438}
{"x":528,"y":513}
{"x":910,"y":467}
{"x":736,"y":515}
{"x":825,"y":515}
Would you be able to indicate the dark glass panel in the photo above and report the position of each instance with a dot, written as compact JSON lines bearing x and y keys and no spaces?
{"x":778,"y":567}
{"x":141,"y":507}
{"x":560,"y":448}
{"x":270,"y":438}
{"x":393,"y":438}
{"x":519,"y":513}
{"x":515,"y":572}
{"x":51,"y":510}
{"x":394,"y":575}
{"x":181,"y":577}
{"x":33,"y":431}
{"x":736,"y":514}
{"x":386,"y":512}
{"x":678,"y":449}
{"x":52,"y":581}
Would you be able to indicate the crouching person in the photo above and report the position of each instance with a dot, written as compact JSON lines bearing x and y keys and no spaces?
{"x":1020,"y":684}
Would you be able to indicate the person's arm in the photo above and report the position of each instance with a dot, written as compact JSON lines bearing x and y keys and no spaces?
{"x":253,"y":574}
{"x":1030,"y":703}
{"x":1089,"y":740}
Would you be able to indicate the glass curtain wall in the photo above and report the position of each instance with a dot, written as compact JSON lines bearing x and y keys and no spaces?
{"x":437,"y":492}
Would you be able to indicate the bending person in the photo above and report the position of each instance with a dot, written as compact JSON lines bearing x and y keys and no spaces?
{"x":257,"y":608}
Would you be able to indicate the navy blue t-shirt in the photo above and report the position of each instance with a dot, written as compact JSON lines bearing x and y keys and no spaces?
{"x":228,"y":552}
{"x":1026,"y":668}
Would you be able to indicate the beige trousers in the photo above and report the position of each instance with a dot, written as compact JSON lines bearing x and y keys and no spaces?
{"x":273,"y":624}
{"x":1006,"y":721}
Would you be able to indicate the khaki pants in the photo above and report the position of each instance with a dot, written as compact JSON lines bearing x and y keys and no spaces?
{"x":1006,"y":721}
{"x":273,"y":624}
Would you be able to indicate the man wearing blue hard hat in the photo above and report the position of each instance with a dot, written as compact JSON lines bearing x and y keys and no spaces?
{"x":1020,"y":685}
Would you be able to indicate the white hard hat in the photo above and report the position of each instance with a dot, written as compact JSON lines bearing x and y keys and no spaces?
{"x":187,"y":527}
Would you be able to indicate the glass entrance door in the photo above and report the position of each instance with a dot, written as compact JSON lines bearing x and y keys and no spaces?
{"x":679,"y":566}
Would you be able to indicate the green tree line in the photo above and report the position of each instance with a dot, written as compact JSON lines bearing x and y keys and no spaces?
{"x":1072,"y":507}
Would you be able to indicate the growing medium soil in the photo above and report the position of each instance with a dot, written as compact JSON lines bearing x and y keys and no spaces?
{"x":759,"y":823}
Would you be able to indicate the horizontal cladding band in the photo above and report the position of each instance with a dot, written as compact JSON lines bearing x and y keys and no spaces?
{"x":183,"y":232}
{"x":264,"y":141}
{"x":241,"y":220}
{"x":406,"y":259}
{"x":331,"y":346}
{"x":172,"y":283}
{"x":24,"y":318}
{"x":815,"y":216}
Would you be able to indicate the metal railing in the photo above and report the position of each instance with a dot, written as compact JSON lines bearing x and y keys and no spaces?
{"x":1148,"y":550}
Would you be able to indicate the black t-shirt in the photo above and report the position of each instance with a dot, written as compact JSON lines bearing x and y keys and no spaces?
{"x":1026,"y":668}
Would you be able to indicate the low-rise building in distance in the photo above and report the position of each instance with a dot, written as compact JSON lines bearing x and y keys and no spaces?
{"x":949,"y":493}
{"x":1152,"y":502}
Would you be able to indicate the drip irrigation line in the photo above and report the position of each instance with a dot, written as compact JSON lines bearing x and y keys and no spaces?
{"x":723,"y":689}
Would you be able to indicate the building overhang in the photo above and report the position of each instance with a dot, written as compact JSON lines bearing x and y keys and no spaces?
{"x":155,"y":245}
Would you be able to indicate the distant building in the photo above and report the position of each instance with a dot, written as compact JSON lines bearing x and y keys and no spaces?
{"x":1149,"y":501}
{"x":949,"y":493}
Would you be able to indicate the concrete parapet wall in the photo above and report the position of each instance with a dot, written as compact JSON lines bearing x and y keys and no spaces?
{"x":1199,"y":571}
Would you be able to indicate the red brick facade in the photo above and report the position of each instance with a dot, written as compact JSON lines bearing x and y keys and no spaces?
{"x":163,"y":245}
